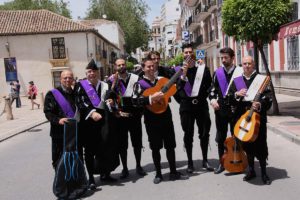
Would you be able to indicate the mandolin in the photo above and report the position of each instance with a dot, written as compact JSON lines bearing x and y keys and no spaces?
{"x":247,"y":127}
{"x":234,"y":159}
{"x":166,"y":86}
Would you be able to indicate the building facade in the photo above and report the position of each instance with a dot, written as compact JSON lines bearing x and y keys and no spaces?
{"x":282,"y":54}
{"x":41,"y":44}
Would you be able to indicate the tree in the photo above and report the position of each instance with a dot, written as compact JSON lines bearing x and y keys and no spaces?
{"x":256,"y":21}
{"x":130,"y":14}
{"x":60,"y":7}
{"x":176,"y":61}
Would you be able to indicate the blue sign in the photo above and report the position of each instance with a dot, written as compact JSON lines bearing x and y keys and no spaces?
{"x":200,"y":54}
{"x":185,"y":35}
{"x":10,"y":65}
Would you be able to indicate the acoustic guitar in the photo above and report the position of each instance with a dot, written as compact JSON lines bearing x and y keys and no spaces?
{"x":166,"y":86}
{"x":247,"y":127}
{"x":234,"y":159}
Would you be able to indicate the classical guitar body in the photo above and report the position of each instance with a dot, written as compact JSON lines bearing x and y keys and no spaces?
{"x":234,"y":159}
{"x":246,"y":129}
{"x":162,"y":105}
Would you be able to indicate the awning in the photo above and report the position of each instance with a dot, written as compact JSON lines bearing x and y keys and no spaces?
{"x":289,"y":29}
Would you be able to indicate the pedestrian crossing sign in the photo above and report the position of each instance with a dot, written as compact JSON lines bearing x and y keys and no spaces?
{"x":200,"y":54}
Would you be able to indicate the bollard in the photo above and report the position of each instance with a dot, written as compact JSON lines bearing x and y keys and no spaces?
{"x":42,"y":99}
{"x":8,"y":111}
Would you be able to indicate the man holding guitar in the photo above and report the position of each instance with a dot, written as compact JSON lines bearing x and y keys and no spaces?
{"x":193,"y":91}
{"x":129,"y":119}
{"x":220,"y":102}
{"x":258,"y":148}
{"x":159,"y":127}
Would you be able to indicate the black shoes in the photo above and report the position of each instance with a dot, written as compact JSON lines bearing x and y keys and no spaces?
{"x":206,"y":165}
{"x":220,"y":169}
{"x":92,"y":185}
{"x":158,"y":178}
{"x":190,"y":169}
{"x":266,"y":180}
{"x":140,"y":171}
{"x":177,"y":176}
{"x":107,"y":178}
{"x":124,"y":174}
{"x":250,"y":175}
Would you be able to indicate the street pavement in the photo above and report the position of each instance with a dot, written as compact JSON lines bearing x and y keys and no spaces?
{"x":287,"y":124}
{"x":26,"y":172}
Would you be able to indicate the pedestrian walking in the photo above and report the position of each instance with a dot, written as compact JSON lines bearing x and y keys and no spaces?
{"x":32,"y":93}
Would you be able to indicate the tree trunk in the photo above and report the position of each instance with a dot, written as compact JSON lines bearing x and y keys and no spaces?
{"x":256,"y":58}
{"x":275,"y":107}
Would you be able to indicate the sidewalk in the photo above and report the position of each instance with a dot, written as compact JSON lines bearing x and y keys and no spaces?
{"x":287,"y":124}
{"x":24,"y":118}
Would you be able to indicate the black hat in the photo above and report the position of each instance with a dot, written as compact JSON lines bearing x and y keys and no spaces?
{"x":92,"y":65}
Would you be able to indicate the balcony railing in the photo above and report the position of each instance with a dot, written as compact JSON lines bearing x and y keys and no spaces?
{"x":199,"y":41}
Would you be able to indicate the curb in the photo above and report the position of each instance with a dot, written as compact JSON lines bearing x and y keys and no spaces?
{"x":284,"y":133}
{"x":23,"y":129}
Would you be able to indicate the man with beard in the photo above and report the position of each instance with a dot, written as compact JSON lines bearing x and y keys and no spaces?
{"x":129,"y":116}
{"x":193,"y":90}
{"x":98,"y":137}
{"x":220,"y":101}
{"x":159,"y":127}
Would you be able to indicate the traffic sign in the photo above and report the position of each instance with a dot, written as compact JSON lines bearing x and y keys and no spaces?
{"x":185,"y":35}
{"x":200,"y":54}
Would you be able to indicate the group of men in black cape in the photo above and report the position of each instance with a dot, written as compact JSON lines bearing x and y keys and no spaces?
{"x":108,"y":111}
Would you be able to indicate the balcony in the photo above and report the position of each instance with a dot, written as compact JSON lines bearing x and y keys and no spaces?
{"x":212,"y":4}
{"x":192,"y":24}
{"x":201,"y":12}
{"x":199,"y":41}
{"x":58,"y":58}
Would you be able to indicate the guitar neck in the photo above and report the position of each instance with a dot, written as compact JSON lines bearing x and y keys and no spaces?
{"x":171,"y":81}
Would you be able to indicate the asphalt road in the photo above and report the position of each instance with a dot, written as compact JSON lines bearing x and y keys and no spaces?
{"x":26,"y":173}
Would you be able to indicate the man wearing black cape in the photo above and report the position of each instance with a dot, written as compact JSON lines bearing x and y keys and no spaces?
{"x":96,"y":130}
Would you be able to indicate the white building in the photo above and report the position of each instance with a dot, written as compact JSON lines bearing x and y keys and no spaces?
{"x":155,"y":42}
{"x":111,"y":30}
{"x":43,"y":44}
{"x":170,"y":14}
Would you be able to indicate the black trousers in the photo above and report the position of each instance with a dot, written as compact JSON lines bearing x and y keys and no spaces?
{"x":133,"y":125}
{"x":223,"y":118}
{"x":203,"y":122}
{"x":57,"y":150}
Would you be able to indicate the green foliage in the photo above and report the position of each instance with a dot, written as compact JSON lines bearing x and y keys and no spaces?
{"x":130,"y":14}
{"x":129,"y":66}
{"x":253,"y":20}
{"x":58,"y":7}
{"x":176,"y":61}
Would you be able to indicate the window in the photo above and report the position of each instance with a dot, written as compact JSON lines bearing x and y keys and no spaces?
{"x":58,"y":48}
{"x":294,"y":11}
{"x":226,"y":41}
{"x":56,"y":78}
{"x":238,"y":53}
{"x":266,"y":51}
{"x":293,"y":53}
{"x":169,"y":41}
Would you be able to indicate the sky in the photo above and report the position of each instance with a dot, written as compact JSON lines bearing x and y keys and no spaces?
{"x":80,"y":7}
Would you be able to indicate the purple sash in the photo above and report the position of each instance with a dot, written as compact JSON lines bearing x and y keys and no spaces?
{"x":239,"y":83}
{"x":145,"y":85}
{"x":121,"y":87}
{"x":177,"y":68}
{"x":63,"y":103}
{"x":188,"y":88}
{"x":222,"y":80}
{"x":91,"y":93}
